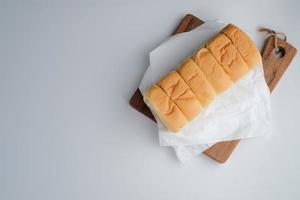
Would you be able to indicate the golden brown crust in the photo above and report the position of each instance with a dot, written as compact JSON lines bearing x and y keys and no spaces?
{"x":214,"y":73}
{"x":197,"y":81}
{"x":227,"y":56}
{"x":244,"y":44}
{"x":181,"y":94}
{"x":164,"y":108}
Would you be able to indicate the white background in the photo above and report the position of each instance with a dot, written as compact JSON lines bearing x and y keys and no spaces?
{"x":67,"y":72}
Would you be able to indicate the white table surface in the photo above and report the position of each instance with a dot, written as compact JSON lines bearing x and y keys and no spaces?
{"x":67,"y":72}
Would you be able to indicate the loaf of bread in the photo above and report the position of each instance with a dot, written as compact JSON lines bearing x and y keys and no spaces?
{"x":181,"y":95}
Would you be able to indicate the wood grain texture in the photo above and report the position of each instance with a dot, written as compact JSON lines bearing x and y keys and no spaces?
{"x":273,"y":67}
{"x":188,"y":23}
{"x":222,"y":150}
{"x":138,"y":103}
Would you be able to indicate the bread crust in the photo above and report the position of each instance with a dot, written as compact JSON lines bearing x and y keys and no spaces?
{"x":244,"y":44}
{"x":181,"y":94}
{"x":228,"y":56}
{"x":213,"y":71}
{"x":164,"y":108}
{"x":197,"y":81}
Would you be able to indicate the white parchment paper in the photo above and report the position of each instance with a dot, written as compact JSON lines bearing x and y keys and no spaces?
{"x":243,"y":111}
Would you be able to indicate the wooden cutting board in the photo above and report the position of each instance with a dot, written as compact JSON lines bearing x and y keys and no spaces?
{"x":274,"y":67}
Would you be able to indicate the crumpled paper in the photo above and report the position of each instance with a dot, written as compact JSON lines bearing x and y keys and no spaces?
{"x":242,"y":111}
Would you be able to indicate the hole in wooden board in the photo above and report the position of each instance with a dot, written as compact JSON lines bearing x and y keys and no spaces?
{"x":279,"y":52}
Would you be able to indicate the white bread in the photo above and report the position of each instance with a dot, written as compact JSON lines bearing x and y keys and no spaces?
{"x":244,"y":44}
{"x":197,"y":81}
{"x":164,"y":108}
{"x":181,"y":94}
{"x":227,"y":56}
{"x":214,"y":73}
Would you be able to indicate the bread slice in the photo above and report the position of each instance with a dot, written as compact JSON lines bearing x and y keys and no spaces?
{"x":197,"y":81}
{"x":214,"y":73}
{"x":244,"y":44}
{"x":176,"y":88}
{"x":228,"y":56}
{"x":164,"y":108}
